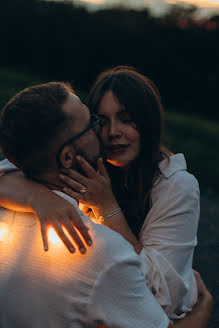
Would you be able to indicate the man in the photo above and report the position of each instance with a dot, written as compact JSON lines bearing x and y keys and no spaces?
{"x":42,"y":129}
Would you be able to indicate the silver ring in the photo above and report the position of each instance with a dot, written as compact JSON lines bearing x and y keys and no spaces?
{"x":83,"y":190}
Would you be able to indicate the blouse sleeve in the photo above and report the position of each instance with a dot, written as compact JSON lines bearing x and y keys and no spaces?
{"x":168,"y":237}
{"x":6,"y":166}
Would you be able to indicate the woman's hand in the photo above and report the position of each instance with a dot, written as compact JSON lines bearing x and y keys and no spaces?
{"x":93,"y":190}
{"x":18,"y":193}
{"x":54,"y":211}
{"x":99,"y":197}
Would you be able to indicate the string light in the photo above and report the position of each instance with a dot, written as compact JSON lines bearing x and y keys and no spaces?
{"x":3,"y":230}
{"x":53,"y":237}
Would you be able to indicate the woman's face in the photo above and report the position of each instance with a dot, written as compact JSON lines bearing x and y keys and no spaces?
{"x":120,"y":138}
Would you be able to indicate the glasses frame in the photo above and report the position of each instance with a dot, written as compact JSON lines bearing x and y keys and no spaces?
{"x":77,"y":136}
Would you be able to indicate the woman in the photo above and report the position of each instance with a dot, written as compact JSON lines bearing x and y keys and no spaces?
{"x":158,"y":198}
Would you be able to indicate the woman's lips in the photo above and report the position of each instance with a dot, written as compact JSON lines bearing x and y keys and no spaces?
{"x":118,"y":149}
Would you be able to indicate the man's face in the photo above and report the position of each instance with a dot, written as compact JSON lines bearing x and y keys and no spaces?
{"x":86,"y":145}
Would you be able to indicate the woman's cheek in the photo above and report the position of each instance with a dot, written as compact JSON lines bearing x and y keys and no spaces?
{"x":103,"y":137}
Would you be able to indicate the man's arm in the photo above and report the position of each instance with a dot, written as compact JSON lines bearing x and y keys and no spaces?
{"x":201,"y":312}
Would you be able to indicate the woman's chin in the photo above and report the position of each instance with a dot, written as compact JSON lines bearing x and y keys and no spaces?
{"x":114,"y":162}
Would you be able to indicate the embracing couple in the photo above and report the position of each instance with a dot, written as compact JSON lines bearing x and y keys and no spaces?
{"x":109,"y":160}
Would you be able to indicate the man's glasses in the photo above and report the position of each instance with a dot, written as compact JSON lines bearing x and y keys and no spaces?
{"x":95,"y":122}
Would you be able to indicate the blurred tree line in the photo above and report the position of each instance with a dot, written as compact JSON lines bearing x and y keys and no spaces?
{"x":66,"y":42}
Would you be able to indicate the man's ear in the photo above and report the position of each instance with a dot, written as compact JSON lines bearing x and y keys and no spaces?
{"x":67,"y":157}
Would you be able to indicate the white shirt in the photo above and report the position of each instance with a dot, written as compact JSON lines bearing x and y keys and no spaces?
{"x":168,"y":237}
{"x":56,"y":289}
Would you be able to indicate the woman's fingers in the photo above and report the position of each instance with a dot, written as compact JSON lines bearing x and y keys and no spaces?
{"x":101,"y":168}
{"x":79,"y":224}
{"x":58,"y":228}
{"x":72,"y":193}
{"x":86,"y":167}
{"x":72,"y":183}
{"x":68,"y":225}
{"x":44,"y":236}
{"x":57,"y":212}
{"x":74,"y":175}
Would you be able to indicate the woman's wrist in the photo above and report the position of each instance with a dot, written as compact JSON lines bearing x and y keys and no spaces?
{"x":103,"y":218}
{"x":106,"y":209}
{"x":38,"y":192}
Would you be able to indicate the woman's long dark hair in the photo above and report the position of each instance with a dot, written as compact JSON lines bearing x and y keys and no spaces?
{"x":141,"y":99}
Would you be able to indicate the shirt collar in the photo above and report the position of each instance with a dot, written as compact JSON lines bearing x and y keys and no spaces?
{"x":172,"y":164}
{"x":66,"y":197}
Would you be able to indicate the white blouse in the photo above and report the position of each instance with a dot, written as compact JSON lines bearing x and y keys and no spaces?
{"x":168,"y":237}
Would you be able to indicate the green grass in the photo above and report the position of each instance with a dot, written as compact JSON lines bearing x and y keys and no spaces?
{"x":11,"y":82}
{"x":197,"y":138}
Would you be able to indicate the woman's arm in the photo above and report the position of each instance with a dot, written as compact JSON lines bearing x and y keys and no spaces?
{"x":168,"y":237}
{"x":21,"y":194}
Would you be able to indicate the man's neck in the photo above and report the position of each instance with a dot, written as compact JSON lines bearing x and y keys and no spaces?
{"x":51,"y":180}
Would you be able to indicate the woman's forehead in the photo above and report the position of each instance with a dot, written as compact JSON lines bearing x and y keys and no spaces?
{"x":110,"y":104}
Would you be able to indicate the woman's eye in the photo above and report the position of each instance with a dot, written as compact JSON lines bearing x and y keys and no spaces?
{"x":129,"y":121}
{"x":126,"y":120}
{"x":103,"y":122}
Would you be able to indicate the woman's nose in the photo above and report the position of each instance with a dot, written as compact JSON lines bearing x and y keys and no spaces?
{"x":114,"y":130}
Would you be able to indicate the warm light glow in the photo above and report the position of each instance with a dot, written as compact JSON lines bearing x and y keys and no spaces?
{"x":96,"y":2}
{"x":53,"y":237}
{"x":3,"y":230}
{"x":198,"y":3}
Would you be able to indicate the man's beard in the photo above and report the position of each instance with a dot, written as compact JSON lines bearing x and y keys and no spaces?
{"x":92,"y":162}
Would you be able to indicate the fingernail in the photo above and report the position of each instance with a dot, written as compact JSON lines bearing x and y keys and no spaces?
{"x":61,"y":176}
{"x":72,"y":250}
{"x":78,"y":157}
{"x":83,"y":250}
{"x":45,"y":248}
{"x":89,"y":242}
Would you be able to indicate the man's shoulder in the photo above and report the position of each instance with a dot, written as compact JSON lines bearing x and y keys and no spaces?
{"x":110,"y":244}
{"x":106,"y":241}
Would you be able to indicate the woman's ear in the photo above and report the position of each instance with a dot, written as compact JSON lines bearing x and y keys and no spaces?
{"x":67,"y":157}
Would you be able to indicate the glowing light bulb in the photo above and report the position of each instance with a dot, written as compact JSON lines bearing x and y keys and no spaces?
{"x":53,"y":237}
{"x":3,"y":230}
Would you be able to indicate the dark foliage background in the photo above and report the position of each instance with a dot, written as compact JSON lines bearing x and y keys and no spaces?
{"x":67,"y":42}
